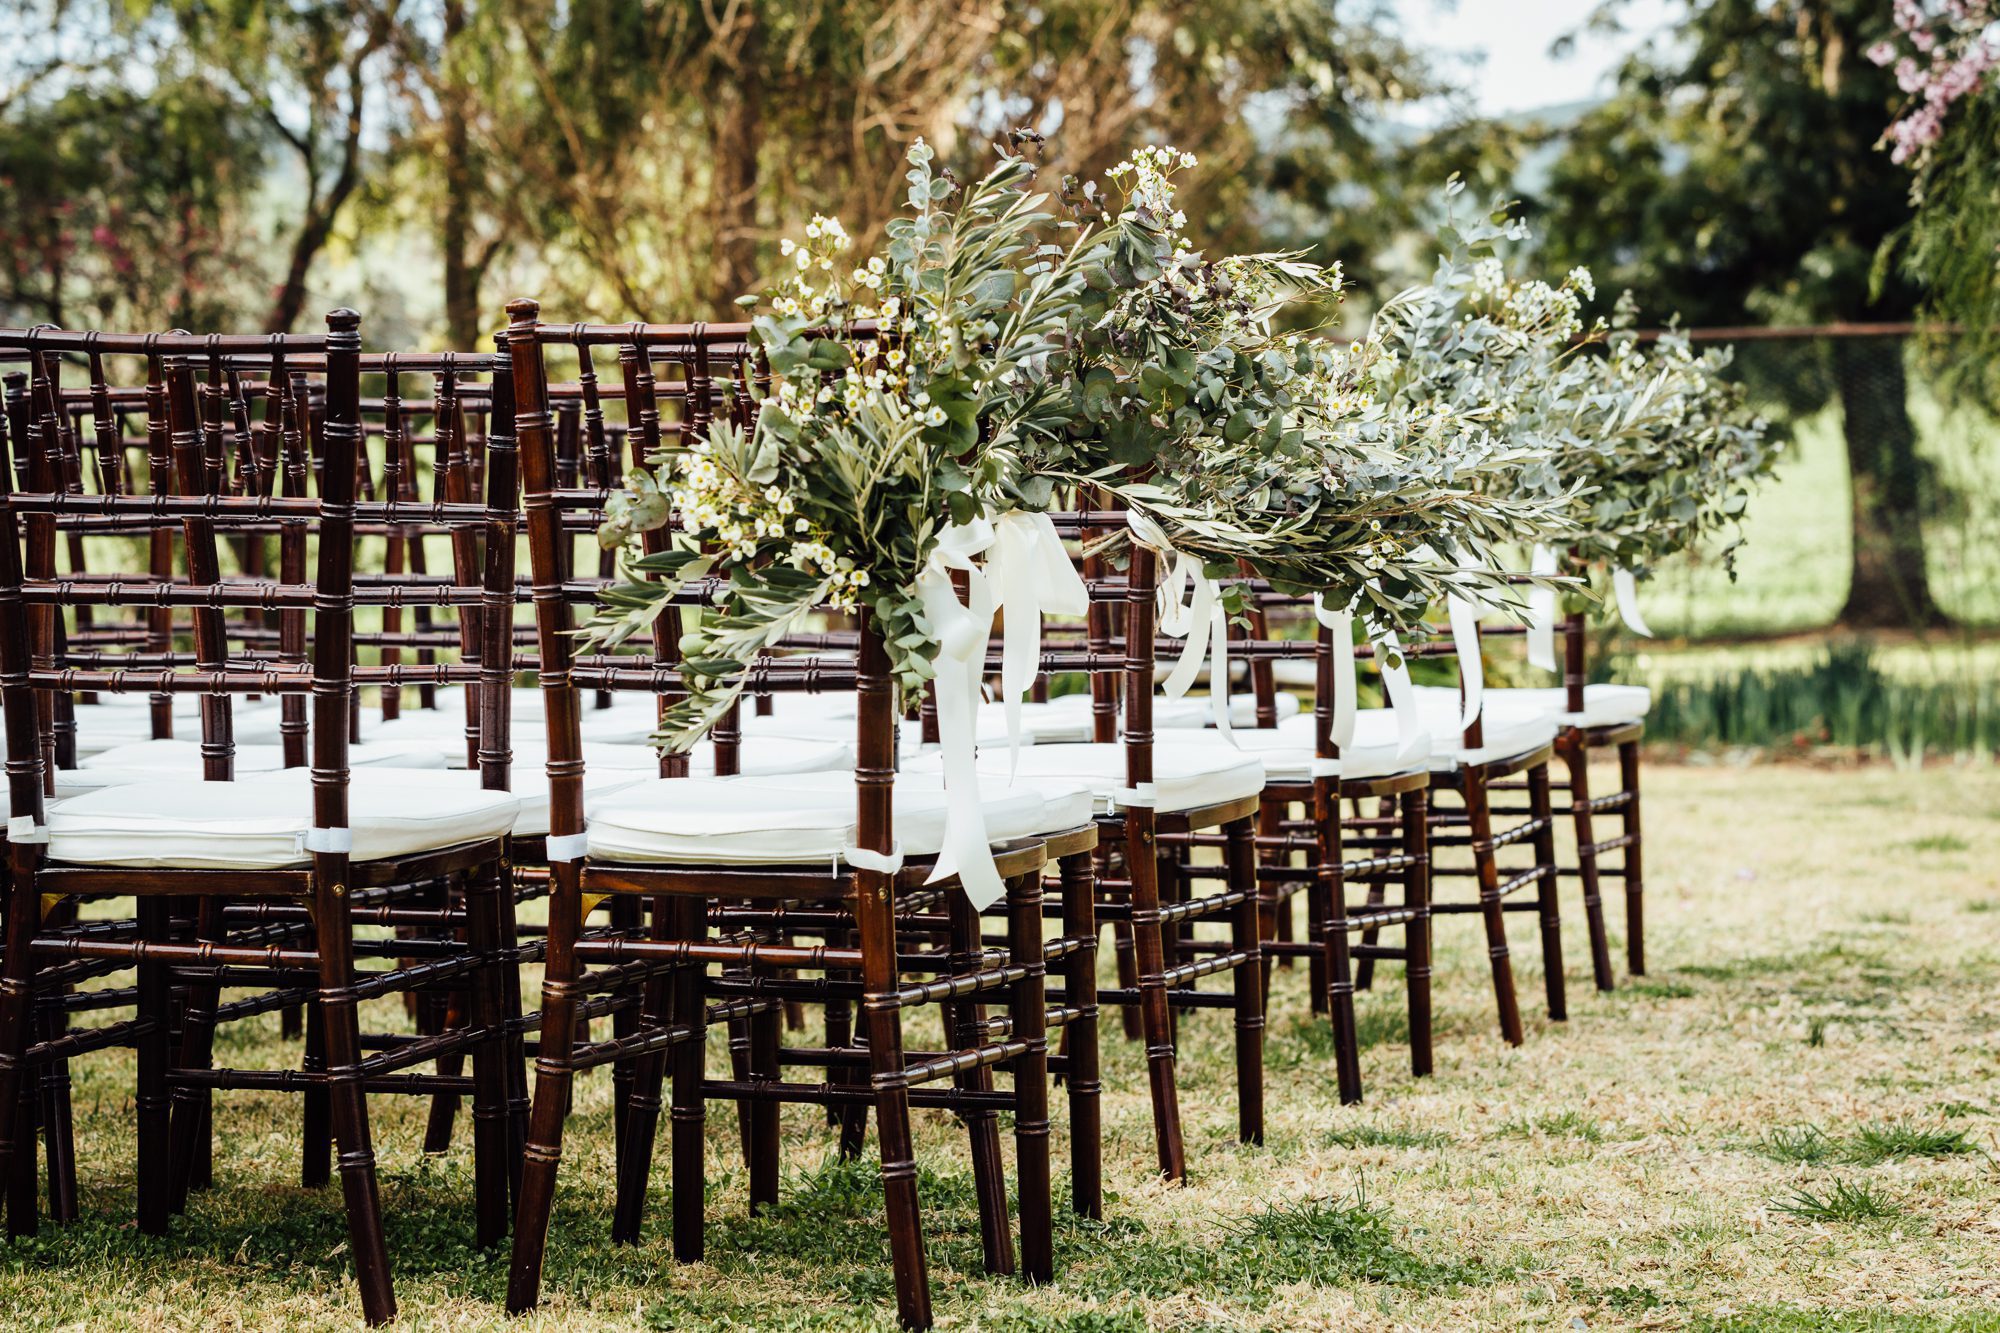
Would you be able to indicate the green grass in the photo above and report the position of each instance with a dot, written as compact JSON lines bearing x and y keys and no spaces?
{"x":1843,"y":1201}
{"x":1628,"y":1168}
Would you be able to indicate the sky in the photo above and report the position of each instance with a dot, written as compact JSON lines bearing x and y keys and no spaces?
{"x":1504,"y":45}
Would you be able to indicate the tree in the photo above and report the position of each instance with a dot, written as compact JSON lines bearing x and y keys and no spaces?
{"x":1734,"y":179}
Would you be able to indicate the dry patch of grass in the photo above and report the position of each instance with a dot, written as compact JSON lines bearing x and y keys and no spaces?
{"x":1787,"y":1126}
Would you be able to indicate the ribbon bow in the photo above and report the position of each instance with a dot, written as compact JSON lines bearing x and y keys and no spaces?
{"x":1341,"y":623}
{"x":1034,"y":578}
{"x":1181,"y":619}
{"x":962,"y":630}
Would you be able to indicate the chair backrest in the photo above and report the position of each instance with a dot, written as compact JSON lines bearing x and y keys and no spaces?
{"x":713,"y":368}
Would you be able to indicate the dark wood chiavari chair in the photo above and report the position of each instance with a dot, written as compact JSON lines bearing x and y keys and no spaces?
{"x":766,"y":860}
{"x":1307,"y":855}
{"x":275,"y":875}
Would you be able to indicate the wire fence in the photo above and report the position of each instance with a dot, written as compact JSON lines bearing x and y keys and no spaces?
{"x":1884,"y":514}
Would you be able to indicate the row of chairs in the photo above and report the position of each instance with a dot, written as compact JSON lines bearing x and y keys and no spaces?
{"x":234,"y":523}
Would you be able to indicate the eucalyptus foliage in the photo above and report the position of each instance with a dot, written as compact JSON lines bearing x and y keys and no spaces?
{"x":1645,"y":448}
{"x":1243,"y":442}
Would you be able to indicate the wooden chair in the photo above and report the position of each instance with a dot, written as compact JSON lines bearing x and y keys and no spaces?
{"x":235,"y":852}
{"x":803,"y":858}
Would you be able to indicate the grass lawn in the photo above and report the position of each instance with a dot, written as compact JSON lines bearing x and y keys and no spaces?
{"x":1787,"y":1126}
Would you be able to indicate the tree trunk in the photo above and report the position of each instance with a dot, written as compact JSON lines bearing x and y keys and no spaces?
{"x":739,"y":132}
{"x":461,"y":281}
{"x":1889,"y":585}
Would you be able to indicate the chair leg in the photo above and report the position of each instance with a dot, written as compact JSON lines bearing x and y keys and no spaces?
{"x":561,"y":989}
{"x":1246,"y":938}
{"x":1576,"y":756}
{"x":190,"y":1104}
{"x":642,"y":1116}
{"x":1124,"y":952}
{"x":1084,"y":1080}
{"x":1479,"y":817}
{"x":1028,"y":1008}
{"x":152,"y":1052}
{"x":1335,"y":959}
{"x":487,"y":1013}
{"x":624,"y":910}
{"x":875,"y":924}
{"x":341,"y":1010}
{"x":982,"y":1127}
{"x":58,"y":1121}
{"x":316,"y":1115}
{"x":449,"y":1013}
{"x":24,"y":916}
{"x":515,"y":1065}
{"x":1156,"y":1022}
{"x":1635,"y":878}
{"x":766,"y":1033}
{"x":1549,"y":905}
{"x":1415,"y":807}
{"x":689,"y":921}
{"x":24,"y":1182}
{"x":1270,"y":816}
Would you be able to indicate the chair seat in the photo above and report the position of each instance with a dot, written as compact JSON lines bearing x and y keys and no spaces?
{"x":757,"y":756}
{"x":1184,"y":776}
{"x":127,"y":719}
{"x":1604,"y":705}
{"x":145,"y":760}
{"x":261,"y":824}
{"x":1503,"y":735}
{"x":1066,"y":718}
{"x":800,"y":819}
{"x":531,"y":790}
{"x":1287,"y":750}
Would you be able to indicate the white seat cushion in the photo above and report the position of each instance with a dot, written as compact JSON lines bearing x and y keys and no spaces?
{"x":531,"y":790}
{"x":1604,"y":705}
{"x":1183,"y":776}
{"x":125,"y":719}
{"x":757,"y":756}
{"x":1287,"y":749}
{"x":802,"y":819}
{"x":157,"y":758}
{"x":1067,"y":717}
{"x":261,"y":824}
{"x":1502,"y":735}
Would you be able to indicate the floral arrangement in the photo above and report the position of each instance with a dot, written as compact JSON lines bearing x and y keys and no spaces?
{"x":1239,"y":439}
{"x":902,"y":388}
{"x":1644,"y":450}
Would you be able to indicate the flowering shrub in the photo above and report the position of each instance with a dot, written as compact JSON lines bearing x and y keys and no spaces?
{"x":1950,"y":48}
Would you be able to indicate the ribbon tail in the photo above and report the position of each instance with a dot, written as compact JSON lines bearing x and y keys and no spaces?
{"x":1625,"y":587}
{"x":1189,"y":666}
{"x":1411,"y":738}
{"x":1471,"y":668}
{"x":1218,"y":671}
{"x":1345,"y":688}
{"x":1542,"y":614}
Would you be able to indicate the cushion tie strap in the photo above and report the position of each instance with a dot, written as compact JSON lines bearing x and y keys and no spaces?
{"x":330,"y":840}
{"x":569,"y":846}
{"x":1325,"y":768}
{"x":24,"y":830}
{"x":1140,"y":797}
{"x":882,"y":863}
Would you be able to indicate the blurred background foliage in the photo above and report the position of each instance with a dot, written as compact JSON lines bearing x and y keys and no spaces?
{"x":250,"y":163}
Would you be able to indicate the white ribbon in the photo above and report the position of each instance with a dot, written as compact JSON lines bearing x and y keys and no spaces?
{"x":1626,"y":589}
{"x":962,"y":630}
{"x":1465,"y":642}
{"x":1411,"y":737}
{"x":1181,"y":620}
{"x":1143,"y":796}
{"x":568,"y":847}
{"x":1542,"y":613}
{"x":1341,"y":623}
{"x":883,"y":863}
{"x":1033,"y":577}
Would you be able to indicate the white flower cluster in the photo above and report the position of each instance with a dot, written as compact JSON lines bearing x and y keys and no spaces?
{"x":1147,"y":180}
